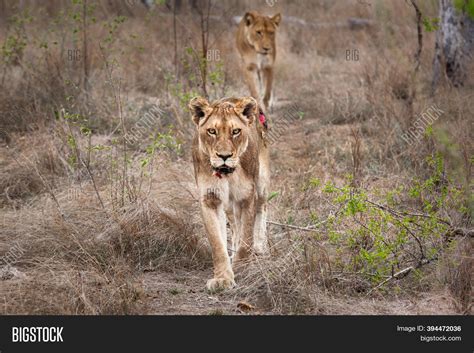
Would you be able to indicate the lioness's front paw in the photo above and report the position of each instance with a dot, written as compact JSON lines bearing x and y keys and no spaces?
{"x":217,"y":284}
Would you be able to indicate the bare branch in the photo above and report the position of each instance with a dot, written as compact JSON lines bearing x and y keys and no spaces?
{"x":311,"y":228}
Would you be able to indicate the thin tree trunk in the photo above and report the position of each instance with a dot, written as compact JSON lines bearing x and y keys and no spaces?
{"x":204,"y":44}
{"x":454,"y":43}
{"x":175,"y":37}
{"x":85,"y":59}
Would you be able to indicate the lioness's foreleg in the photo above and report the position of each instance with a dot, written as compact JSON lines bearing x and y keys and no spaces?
{"x":268,"y":80}
{"x":250,"y":72}
{"x":214,"y":221}
{"x":260,"y":85}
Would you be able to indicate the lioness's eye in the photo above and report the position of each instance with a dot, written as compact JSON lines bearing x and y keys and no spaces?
{"x":211,"y":131}
{"x":235,"y":131}
{"x":259,"y":33}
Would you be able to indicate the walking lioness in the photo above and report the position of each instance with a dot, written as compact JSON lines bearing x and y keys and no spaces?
{"x":231,"y":167}
{"x":256,"y":45}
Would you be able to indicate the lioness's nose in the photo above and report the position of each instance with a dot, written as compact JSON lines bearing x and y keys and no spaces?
{"x":224,"y":156}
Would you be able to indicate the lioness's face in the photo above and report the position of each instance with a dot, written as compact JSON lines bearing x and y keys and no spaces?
{"x":224,"y":129}
{"x":260,"y":31}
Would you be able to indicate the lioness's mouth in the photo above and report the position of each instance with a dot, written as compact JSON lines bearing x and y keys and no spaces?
{"x":224,"y":169}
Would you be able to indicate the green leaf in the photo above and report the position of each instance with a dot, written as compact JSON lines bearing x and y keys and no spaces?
{"x":314,"y":182}
{"x":430,"y":24}
{"x":272,"y":195}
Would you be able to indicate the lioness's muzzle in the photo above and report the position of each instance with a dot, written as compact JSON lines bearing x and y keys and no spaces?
{"x":224,"y":169}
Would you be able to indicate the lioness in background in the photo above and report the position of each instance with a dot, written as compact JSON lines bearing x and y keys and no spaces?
{"x":256,"y":45}
{"x":231,"y":167}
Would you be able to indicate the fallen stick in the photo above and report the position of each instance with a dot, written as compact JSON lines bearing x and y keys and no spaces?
{"x":306,"y":229}
{"x":397,"y":275}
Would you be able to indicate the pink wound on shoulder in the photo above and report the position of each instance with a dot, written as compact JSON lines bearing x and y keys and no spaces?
{"x":262,"y":118}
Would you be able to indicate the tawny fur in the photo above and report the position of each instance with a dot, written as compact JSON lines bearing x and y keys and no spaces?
{"x":230,"y":127}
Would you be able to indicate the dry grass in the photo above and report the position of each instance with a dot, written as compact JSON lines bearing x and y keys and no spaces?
{"x":85,"y":233}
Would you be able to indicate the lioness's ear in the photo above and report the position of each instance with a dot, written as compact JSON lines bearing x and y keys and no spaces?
{"x":249,"y":18}
{"x":199,"y":107}
{"x":247,"y":106}
{"x":276,"y":19}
